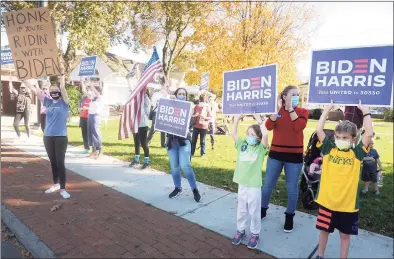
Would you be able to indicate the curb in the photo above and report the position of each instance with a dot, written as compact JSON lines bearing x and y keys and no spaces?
{"x":25,"y":236}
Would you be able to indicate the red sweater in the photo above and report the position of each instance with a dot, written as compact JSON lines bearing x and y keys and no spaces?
{"x":288,"y":140}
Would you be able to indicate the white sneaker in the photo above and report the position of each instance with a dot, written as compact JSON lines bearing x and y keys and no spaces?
{"x":54,"y":188}
{"x":65,"y":194}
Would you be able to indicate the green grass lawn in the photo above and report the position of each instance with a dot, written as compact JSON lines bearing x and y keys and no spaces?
{"x":217,"y":168}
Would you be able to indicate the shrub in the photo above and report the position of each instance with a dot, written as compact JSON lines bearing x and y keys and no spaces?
{"x":388,"y":114}
{"x":74,"y":95}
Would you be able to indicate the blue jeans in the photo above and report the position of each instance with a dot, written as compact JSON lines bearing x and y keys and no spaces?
{"x":179,"y":157}
{"x":292,"y":174}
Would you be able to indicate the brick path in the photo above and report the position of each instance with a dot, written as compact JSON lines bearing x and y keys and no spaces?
{"x":100,"y":222}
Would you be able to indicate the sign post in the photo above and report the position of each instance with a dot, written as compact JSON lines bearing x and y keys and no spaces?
{"x":251,"y":90}
{"x":32,"y":41}
{"x":348,"y":76}
{"x":173,"y":117}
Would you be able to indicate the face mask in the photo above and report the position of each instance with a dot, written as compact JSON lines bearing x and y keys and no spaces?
{"x":295,"y":100}
{"x":342,"y":144}
{"x":55,"y":95}
{"x":181,"y":97}
{"x":252,"y":140}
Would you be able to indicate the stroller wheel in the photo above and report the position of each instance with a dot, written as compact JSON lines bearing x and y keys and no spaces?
{"x":303,"y":184}
{"x":308,"y":200}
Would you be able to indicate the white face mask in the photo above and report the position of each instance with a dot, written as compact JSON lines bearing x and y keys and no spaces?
{"x":342,"y":144}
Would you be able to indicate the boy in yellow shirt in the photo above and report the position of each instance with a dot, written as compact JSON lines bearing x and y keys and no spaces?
{"x":338,"y":190}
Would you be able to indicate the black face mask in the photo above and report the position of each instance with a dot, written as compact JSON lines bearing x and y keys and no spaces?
{"x":55,"y":95}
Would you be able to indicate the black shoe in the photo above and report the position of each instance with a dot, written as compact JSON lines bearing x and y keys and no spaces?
{"x":175,"y":193}
{"x":319,"y":257}
{"x":134,"y":163}
{"x":288,"y":223}
{"x":263,"y":212}
{"x":197,"y":196}
{"x":145,"y":166}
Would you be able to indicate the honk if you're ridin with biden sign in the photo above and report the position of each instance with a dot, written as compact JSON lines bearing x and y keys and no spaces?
{"x":348,"y":76}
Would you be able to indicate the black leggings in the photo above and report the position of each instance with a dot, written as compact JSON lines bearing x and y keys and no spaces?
{"x":43,"y":122}
{"x":56,"y":149}
{"x":18,"y":117}
{"x":83,"y":123}
{"x":140,"y":139}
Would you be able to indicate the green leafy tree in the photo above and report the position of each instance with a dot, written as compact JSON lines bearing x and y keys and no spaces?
{"x":170,"y":22}
{"x":74,"y":96}
{"x":91,"y":27}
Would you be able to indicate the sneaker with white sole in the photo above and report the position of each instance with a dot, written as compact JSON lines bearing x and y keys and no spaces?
{"x":254,"y":241}
{"x":175,"y":193}
{"x":237,"y":239}
{"x":65,"y":194}
{"x":53,"y":188}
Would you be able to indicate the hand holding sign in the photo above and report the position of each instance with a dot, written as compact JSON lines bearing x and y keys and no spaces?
{"x":329,"y":107}
{"x":363,"y":108}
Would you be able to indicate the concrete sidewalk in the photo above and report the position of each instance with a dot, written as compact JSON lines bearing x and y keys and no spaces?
{"x":217,"y":212}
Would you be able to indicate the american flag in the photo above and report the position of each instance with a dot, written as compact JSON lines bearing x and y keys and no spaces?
{"x":130,"y":119}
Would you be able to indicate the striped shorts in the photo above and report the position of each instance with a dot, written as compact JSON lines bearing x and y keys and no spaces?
{"x":345,"y":222}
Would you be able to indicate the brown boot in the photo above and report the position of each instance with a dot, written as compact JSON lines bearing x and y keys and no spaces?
{"x":93,"y":154}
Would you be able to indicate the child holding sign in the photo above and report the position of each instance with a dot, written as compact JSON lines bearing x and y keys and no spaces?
{"x":251,"y":152}
{"x":338,"y":191}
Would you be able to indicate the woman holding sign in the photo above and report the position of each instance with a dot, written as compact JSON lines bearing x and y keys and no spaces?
{"x":94,"y":121}
{"x":23,"y":107}
{"x":179,"y":150}
{"x":286,"y":151}
{"x":55,"y":134}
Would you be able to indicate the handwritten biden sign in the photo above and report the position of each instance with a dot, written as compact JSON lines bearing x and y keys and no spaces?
{"x":249,"y":91}
{"x":87,"y":66}
{"x":173,"y":117}
{"x":32,"y":42}
{"x":349,"y":75}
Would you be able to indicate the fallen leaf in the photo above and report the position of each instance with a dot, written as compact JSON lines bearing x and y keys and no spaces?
{"x":55,"y":208}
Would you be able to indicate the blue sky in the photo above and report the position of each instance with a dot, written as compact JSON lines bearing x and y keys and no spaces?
{"x":341,"y":24}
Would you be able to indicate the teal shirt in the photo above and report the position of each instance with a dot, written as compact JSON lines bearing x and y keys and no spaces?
{"x":248,"y":170}
{"x":56,"y":118}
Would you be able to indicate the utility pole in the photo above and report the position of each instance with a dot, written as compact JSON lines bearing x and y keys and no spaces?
{"x":41,"y":3}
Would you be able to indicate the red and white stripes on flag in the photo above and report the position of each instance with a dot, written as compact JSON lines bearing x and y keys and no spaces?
{"x":130,"y":119}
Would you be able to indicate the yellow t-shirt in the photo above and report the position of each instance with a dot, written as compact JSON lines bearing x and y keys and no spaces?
{"x":338,"y":189}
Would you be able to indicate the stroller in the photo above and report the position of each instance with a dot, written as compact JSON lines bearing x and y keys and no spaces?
{"x":310,"y":183}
